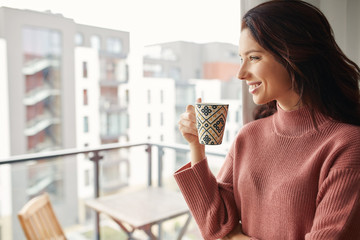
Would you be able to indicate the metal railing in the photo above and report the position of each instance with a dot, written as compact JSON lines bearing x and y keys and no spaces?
{"x":95,"y":156}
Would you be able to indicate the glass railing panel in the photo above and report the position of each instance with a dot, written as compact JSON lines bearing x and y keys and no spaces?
{"x":69,"y":178}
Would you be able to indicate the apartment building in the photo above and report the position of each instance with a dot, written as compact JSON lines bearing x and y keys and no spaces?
{"x":206,"y":70}
{"x":61,"y":87}
{"x":152,"y":117}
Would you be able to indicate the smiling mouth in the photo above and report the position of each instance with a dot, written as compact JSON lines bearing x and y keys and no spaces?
{"x":254,"y":87}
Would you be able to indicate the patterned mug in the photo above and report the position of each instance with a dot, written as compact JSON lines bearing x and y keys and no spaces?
{"x":210,"y":122}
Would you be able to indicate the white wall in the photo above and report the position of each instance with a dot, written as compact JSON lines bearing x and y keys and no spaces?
{"x":139,"y":109}
{"x":91,"y":138}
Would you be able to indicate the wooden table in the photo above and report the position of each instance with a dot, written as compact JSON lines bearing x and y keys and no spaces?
{"x":142,"y":208}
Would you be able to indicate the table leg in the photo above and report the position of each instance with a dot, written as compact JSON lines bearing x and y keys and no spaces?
{"x":147,"y":230}
{"x":125,"y":229}
{"x":184,"y":228}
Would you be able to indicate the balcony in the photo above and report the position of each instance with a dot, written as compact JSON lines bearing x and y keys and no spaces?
{"x":38,"y":65}
{"x":73,"y":176}
{"x":112,"y":104}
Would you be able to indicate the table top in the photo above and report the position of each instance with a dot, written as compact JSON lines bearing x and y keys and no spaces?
{"x":141,"y":207}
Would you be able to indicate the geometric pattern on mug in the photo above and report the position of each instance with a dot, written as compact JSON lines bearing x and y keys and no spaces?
{"x":211,"y":123}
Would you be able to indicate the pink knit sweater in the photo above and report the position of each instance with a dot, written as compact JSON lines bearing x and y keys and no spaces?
{"x":283,"y":179}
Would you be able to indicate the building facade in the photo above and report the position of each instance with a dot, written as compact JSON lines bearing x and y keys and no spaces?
{"x":61,"y":86}
{"x":185,"y":62}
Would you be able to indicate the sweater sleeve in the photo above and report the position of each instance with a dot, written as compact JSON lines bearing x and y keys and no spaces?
{"x":210,"y":200}
{"x":337,"y":214}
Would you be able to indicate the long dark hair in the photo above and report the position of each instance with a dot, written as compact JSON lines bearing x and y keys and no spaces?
{"x":301,"y":39}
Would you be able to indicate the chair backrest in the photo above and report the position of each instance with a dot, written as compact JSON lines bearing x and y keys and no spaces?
{"x":38,"y":220}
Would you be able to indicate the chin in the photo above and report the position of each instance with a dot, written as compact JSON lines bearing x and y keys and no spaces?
{"x":259,"y":101}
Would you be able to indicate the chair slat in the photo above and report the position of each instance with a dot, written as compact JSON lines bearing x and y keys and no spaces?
{"x":39,"y":221}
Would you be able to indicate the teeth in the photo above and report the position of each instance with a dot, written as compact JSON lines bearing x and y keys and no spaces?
{"x":251,"y":87}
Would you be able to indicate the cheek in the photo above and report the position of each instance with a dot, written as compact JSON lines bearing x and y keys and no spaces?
{"x":280,"y":77}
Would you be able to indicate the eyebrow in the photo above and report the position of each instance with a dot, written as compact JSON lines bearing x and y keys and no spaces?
{"x":252,"y":51}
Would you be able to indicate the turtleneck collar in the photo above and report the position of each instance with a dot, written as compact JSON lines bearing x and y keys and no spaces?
{"x":297,"y":122}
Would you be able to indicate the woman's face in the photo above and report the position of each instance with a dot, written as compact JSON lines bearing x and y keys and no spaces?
{"x":267,"y":79}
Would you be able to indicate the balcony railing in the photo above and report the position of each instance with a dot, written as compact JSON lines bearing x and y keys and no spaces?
{"x":96,"y":156}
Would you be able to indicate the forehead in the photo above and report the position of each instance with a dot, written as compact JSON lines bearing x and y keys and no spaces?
{"x":247,"y":42}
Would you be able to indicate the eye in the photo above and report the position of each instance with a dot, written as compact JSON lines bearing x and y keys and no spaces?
{"x":241,"y":61}
{"x":254,"y":58}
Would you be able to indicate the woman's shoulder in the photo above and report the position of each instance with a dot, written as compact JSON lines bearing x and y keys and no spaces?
{"x":344,"y":132}
{"x":344,"y":140}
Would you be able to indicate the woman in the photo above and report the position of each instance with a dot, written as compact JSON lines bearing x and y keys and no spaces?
{"x":294,"y":174}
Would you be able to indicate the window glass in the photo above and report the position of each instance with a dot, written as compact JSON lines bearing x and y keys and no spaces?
{"x":85,"y":70}
{"x":79,"y":39}
{"x":86,"y":124}
{"x":95,"y":42}
{"x":114,"y":45}
{"x":85,"y":97}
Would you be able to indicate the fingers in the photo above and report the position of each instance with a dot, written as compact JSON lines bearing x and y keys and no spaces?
{"x":187,"y":123}
{"x":188,"y":129}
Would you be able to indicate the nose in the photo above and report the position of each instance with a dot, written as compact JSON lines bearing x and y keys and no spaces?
{"x":243,"y":72}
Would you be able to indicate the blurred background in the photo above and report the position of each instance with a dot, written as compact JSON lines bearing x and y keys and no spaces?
{"x":83,"y":74}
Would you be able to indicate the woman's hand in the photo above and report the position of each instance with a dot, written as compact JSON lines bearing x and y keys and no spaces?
{"x":236,"y":234}
{"x":187,"y":124}
{"x":187,"y":127}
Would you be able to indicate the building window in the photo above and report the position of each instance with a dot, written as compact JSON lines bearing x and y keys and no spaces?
{"x":87,"y":177}
{"x":114,"y":45}
{"x":86,"y":124}
{"x":149,"y":120}
{"x":85,"y":97}
{"x":127,"y":96}
{"x":79,"y":39}
{"x":161,"y":138}
{"x":161,"y":96}
{"x":95,"y":42}
{"x":85,"y":70}
{"x":148,"y":96}
{"x":161,"y":119}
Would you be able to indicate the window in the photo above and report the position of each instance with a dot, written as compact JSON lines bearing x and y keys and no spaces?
{"x":149,"y":120}
{"x":86,"y":124}
{"x":161,"y":119}
{"x":85,"y":70}
{"x":95,"y":42}
{"x":127,"y":96}
{"x":79,"y":39}
{"x":87,"y":177}
{"x":85,"y":97}
{"x":114,"y":45}
{"x":127,"y":121}
{"x":175,"y":73}
{"x":148,"y":96}
{"x":161,"y":96}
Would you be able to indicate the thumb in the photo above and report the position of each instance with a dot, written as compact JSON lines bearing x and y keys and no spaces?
{"x":198,"y":100}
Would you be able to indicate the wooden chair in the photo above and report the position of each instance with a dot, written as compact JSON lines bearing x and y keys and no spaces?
{"x":38,"y":220}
